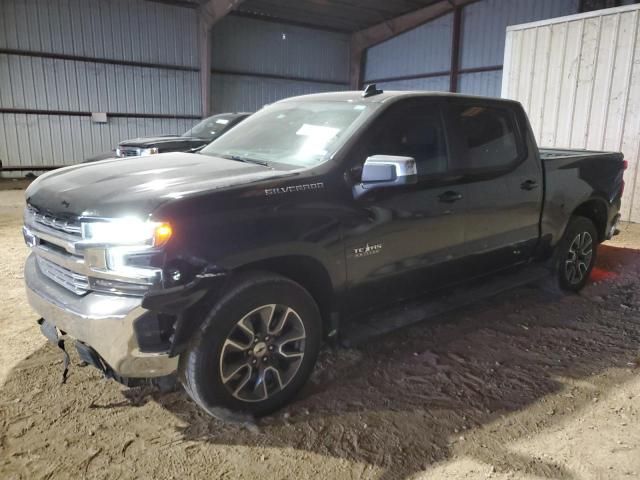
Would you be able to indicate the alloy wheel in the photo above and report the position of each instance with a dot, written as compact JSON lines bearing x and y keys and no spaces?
{"x":579,"y":258}
{"x":262,"y":353}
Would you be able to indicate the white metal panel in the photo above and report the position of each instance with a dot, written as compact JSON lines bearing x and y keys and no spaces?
{"x":542,"y":42}
{"x":630,"y":144}
{"x":555,"y":73}
{"x":581,"y":85}
{"x":617,"y":115}
{"x":585,"y":85}
{"x":605,"y":58}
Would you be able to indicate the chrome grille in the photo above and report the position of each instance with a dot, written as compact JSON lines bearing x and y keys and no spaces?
{"x":68,"y":226}
{"x":77,"y":283}
{"x":78,"y":265}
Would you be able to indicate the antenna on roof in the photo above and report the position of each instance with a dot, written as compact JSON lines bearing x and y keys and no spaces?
{"x":371,"y":90}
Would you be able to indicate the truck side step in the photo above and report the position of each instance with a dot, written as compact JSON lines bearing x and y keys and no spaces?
{"x":362,"y":328}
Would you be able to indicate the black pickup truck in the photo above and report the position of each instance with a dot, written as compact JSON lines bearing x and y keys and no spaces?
{"x":230,"y":267}
{"x":193,"y":139}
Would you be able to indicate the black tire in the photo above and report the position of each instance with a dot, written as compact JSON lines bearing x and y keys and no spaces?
{"x":572,"y":264}
{"x":201,"y":365}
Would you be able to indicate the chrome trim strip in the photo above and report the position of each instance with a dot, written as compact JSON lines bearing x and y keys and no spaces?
{"x":73,"y":263}
{"x":55,"y":237}
{"x":55,"y":223}
{"x":141,"y":276}
{"x":78,"y":284}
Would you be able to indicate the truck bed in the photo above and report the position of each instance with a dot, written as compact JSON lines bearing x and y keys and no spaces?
{"x":575,"y":177}
{"x":573,"y":154}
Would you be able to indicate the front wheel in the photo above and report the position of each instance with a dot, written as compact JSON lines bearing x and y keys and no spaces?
{"x":255,"y":349}
{"x":576,"y":254}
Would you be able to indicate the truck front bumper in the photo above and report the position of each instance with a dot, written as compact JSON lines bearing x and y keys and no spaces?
{"x":101,"y":321}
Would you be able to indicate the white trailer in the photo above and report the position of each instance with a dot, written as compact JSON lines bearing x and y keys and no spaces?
{"x":578,"y":77}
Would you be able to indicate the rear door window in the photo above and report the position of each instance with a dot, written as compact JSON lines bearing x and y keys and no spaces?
{"x":489,"y":135}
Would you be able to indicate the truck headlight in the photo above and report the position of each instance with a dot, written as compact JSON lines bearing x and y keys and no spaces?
{"x":127,"y":231}
{"x":149,"y":151}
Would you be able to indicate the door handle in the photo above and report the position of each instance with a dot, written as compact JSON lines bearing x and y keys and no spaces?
{"x":450,"y":196}
{"x":529,"y":185}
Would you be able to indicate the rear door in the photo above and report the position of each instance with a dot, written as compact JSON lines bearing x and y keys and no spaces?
{"x":405,"y":240}
{"x":503,"y":179}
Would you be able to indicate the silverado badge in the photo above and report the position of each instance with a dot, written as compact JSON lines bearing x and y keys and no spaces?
{"x":293,"y":188}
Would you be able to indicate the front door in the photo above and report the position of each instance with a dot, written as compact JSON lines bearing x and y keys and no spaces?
{"x":405,"y":240}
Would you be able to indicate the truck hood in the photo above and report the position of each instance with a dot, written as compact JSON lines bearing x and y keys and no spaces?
{"x":137,"y":186}
{"x":148,"y":142}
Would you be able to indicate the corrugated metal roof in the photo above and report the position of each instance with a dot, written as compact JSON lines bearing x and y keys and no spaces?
{"x":338,"y":15}
{"x":343,"y":15}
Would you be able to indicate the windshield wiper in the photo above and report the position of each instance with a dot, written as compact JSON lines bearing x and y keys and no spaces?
{"x":245,"y":160}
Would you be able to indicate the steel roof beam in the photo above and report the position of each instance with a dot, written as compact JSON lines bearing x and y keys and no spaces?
{"x":209,"y":12}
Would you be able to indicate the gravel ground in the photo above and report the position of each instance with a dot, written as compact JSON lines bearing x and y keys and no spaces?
{"x":530,"y":384}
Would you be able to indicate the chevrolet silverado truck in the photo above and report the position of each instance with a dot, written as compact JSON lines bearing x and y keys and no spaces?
{"x":228,"y":268}
{"x":193,"y":139}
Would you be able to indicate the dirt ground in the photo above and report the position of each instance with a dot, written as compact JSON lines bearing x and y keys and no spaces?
{"x":531,"y":384}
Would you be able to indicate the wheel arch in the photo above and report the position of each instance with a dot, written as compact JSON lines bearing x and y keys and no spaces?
{"x":308,"y":272}
{"x":595,"y":209}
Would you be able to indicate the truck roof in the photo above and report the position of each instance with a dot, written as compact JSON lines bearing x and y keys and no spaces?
{"x":385,"y":96}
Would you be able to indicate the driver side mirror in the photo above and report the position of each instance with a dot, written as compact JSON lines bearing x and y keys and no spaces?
{"x":383,"y":171}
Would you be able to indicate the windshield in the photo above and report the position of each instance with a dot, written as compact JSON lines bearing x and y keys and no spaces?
{"x":301,"y":134}
{"x":209,"y":128}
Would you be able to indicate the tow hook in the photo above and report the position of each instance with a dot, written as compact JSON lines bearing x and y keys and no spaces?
{"x":614,"y":230}
{"x":51,"y":333}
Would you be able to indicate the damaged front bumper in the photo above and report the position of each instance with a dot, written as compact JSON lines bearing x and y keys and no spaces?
{"x":105,"y":323}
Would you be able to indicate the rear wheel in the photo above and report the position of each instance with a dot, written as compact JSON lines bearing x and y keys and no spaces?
{"x":255,"y":349}
{"x":576,"y":254}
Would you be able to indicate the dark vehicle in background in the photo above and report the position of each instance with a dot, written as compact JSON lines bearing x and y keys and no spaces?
{"x":230,"y":267}
{"x":200,"y":135}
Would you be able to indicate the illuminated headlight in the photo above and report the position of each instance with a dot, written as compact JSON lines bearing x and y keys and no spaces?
{"x":149,"y":151}
{"x":127,"y":231}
